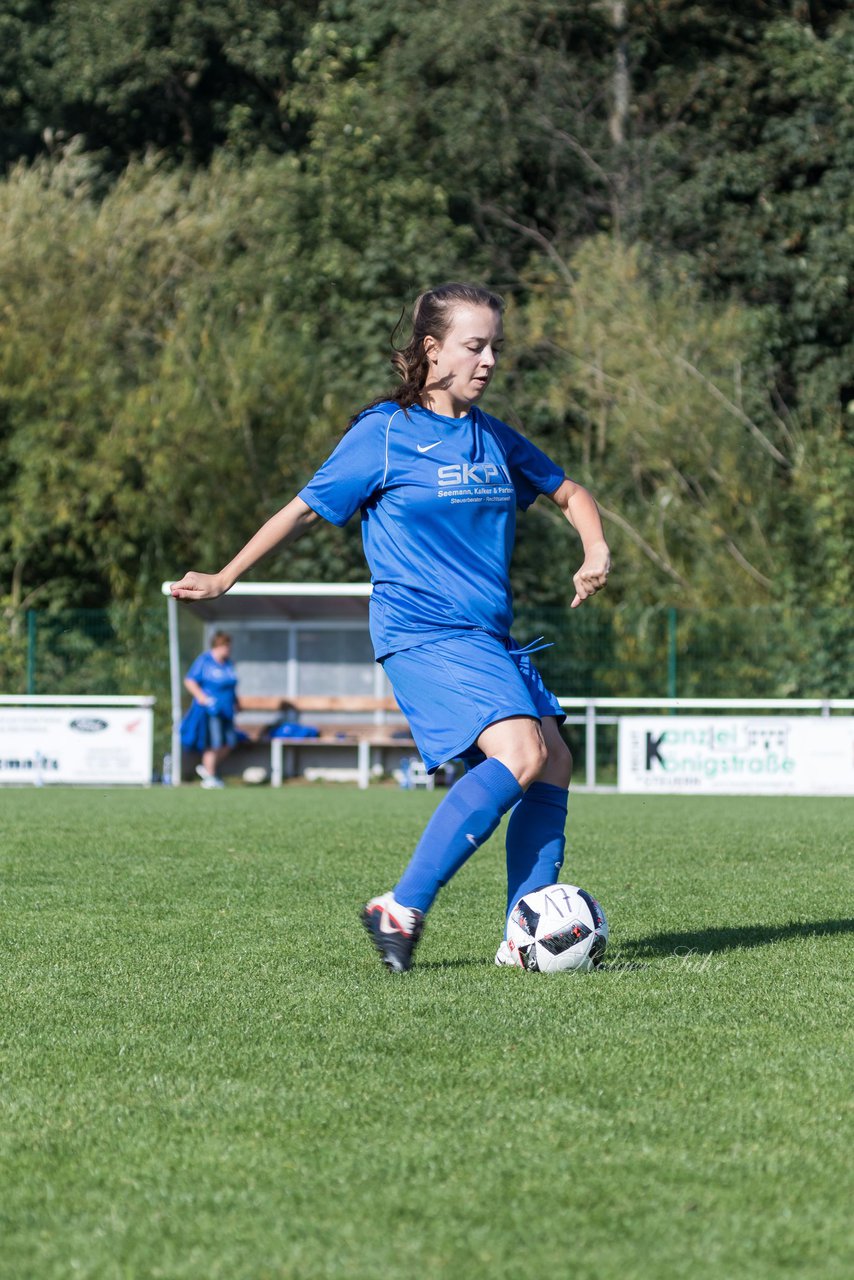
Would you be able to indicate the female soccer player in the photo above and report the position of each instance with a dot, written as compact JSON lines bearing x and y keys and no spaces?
{"x":437,"y":482}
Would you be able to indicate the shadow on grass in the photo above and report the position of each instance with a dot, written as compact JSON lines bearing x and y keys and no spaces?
{"x":463,"y":962}
{"x":723,"y":939}
{"x":634,"y":954}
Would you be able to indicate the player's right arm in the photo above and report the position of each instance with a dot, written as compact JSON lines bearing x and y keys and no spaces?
{"x":285,"y":526}
{"x":194,"y":688}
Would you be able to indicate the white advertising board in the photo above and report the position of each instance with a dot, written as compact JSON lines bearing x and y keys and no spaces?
{"x":76,"y":744}
{"x":737,"y":755}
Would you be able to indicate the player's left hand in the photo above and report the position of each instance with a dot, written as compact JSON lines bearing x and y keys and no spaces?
{"x":593,"y":574}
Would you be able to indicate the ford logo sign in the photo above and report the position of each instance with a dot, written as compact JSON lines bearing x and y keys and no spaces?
{"x":88,"y":725}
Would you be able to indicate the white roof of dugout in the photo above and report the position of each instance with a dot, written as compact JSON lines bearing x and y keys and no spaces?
{"x":290,"y":601}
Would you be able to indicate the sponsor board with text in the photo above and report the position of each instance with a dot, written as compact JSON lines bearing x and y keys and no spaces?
{"x":41,"y":745}
{"x":737,"y":755}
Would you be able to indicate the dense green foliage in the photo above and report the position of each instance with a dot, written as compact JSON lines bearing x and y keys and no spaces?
{"x":206,"y":1071}
{"x":212,"y":216}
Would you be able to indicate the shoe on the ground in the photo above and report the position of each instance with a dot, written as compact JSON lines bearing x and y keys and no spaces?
{"x":394,"y":931}
{"x":202,"y":772}
{"x":210,"y":783}
{"x":506,"y":955}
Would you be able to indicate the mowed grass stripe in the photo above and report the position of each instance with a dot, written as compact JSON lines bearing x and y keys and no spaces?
{"x":206,"y":1072}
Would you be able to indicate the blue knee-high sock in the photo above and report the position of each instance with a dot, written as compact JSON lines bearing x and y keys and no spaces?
{"x":466,"y":818}
{"x":535,"y":840}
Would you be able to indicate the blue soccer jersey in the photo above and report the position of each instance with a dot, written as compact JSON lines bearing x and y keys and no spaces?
{"x":218,"y":680}
{"x":438,"y":498}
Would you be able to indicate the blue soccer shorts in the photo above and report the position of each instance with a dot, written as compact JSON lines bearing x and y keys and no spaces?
{"x":450,"y":690}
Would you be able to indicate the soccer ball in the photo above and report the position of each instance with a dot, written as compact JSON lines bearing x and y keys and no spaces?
{"x":255,"y":775}
{"x":556,"y":928}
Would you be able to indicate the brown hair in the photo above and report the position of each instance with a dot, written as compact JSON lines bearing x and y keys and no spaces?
{"x":218,"y":638}
{"x":431,"y":317}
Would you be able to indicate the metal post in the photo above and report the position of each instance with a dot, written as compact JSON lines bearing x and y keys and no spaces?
{"x":292,"y":668}
{"x":590,"y":745}
{"x":363,"y":753}
{"x":31,"y":651}
{"x":380,"y":716}
{"x":175,"y":682}
{"x":276,"y":752}
{"x":671,"y":652}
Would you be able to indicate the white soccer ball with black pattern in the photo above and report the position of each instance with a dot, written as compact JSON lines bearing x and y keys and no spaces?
{"x":557,"y":928}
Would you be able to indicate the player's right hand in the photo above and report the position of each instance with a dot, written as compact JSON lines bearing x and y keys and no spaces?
{"x":198,"y":586}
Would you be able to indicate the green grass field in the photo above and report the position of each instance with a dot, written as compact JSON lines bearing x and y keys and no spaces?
{"x":207,"y":1073}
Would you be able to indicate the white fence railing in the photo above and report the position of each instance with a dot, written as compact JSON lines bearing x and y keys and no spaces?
{"x":601,"y":711}
{"x":74,"y":700}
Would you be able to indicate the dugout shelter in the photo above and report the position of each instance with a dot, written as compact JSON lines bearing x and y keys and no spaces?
{"x":292,"y":642}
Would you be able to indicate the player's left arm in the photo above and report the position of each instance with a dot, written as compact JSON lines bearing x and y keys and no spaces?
{"x":580,"y":509}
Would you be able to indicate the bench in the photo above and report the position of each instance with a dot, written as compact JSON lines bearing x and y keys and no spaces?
{"x":366,"y":736}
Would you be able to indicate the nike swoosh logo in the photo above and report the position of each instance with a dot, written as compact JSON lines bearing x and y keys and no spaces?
{"x":472,"y":841}
{"x":425,"y":448}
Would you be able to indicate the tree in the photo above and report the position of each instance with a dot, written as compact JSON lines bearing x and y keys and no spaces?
{"x":752,"y":178}
{"x":147,"y":377}
{"x":647,"y":393}
{"x":182,"y":78}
